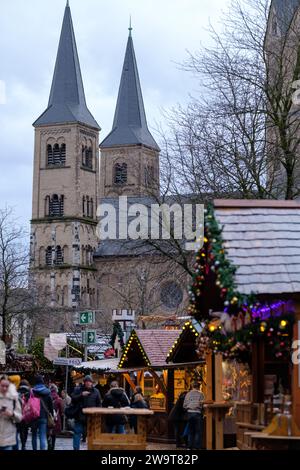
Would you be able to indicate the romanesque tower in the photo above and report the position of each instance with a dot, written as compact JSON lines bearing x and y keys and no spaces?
{"x":65,"y":186}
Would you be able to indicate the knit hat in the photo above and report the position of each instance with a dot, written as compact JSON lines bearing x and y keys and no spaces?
{"x":15,"y":379}
{"x":88,"y":378}
{"x":53,"y":388}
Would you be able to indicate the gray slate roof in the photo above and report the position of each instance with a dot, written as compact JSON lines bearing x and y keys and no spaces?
{"x":130,"y":123}
{"x":264,"y":244}
{"x":285,"y":10}
{"x":67,"y":99}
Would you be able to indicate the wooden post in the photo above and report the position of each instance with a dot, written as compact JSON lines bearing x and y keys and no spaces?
{"x":218,"y":377}
{"x":170,"y":389}
{"x":209,"y":396}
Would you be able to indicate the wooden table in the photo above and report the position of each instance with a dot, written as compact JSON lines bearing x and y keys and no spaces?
{"x":99,"y":439}
{"x":263,"y":441}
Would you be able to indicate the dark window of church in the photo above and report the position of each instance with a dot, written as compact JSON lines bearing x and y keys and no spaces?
{"x":49,"y":256}
{"x":56,"y":155}
{"x":56,"y":206}
{"x":121,"y":173}
{"x":92,"y":208}
{"x":275,"y":31}
{"x":89,"y":158}
{"x":88,"y":286}
{"x":49,"y":155}
{"x":59,"y":255}
{"x":83,"y":206}
{"x":88,"y":206}
{"x":63,"y":154}
{"x":171,"y":295}
{"x":83,"y":155}
{"x":149,"y":176}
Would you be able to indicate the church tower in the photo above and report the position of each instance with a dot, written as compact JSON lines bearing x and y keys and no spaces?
{"x":129,"y":154}
{"x":65,"y":186}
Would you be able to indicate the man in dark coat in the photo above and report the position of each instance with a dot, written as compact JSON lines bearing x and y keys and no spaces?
{"x":84,"y":396}
{"x":116,"y":398}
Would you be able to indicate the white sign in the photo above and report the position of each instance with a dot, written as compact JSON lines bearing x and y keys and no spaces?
{"x":58,"y":340}
{"x":67,"y":361}
{"x":2,"y":353}
{"x":49,"y":351}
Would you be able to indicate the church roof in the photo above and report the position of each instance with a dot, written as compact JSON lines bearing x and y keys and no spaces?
{"x":285,"y":10}
{"x":67,"y":99}
{"x":130,"y":123}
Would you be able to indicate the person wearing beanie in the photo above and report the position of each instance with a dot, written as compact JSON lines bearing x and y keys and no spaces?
{"x":15,"y":379}
{"x":58,"y":412}
{"x":40,"y":425}
{"x":84,"y":396}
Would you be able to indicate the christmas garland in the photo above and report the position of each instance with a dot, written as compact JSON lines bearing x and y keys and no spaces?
{"x":117,"y":332}
{"x":242,"y":319}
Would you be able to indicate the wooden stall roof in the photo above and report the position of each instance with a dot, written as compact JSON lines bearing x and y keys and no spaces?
{"x":154,"y":343}
{"x":192,"y":326}
{"x":262,"y":239}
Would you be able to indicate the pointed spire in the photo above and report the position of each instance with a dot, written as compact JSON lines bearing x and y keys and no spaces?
{"x":67,"y":99}
{"x":130,"y":123}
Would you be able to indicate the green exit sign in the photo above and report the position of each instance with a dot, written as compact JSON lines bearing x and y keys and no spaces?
{"x":89,"y":337}
{"x":87,"y":318}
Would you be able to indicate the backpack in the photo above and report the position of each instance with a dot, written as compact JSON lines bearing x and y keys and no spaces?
{"x":31,"y":409}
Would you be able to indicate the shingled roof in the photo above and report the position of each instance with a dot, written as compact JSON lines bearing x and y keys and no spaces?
{"x":285,"y":10}
{"x":67,"y":99}
{"x":262,"y":239}
{"x":130,"y":123}
{"x":157,"y":344}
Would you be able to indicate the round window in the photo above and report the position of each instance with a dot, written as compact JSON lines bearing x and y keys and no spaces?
{"x":171,"y":295}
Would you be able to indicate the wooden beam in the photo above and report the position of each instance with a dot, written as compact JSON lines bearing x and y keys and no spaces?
{"x":209,"y":396}
{"x":131,"y":383}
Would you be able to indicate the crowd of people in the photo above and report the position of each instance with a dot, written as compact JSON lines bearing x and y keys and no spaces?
{"x":42,"y":410}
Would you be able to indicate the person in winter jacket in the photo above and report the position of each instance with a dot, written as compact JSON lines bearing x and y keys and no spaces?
{"x":193,"y":404}
{"x":24,"y":394}
{"x":179,"y":417}
{"x":40,"y":425}
{"x":58,"y":410}
{"x":84,"y":396}
{"x":137,"y":402}
{"x":116,"y":398}
{"x":10,"y":414}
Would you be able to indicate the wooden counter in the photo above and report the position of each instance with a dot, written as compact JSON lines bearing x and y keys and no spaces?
{"x":99,"y":439}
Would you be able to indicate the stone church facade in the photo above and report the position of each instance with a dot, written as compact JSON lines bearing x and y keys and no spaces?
{"x":70,"y":267}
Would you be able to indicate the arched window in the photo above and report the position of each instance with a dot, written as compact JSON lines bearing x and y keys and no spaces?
{"x":92,"y":208}
{"x":49,"y":155}
{"x":83,"y":155}
{"x":88,"y":206}
{"x":56,"y":206}
{"x":59,"y":255}
{"x":47,"y":206}
{"x":63,"y":154}
{"x":83,"y":206}
{"x":120,"y":173}
{"x":149,"y":176}
{"x":56,"y":155}
{"x":89,"y":158}
{"x":49,"y":256}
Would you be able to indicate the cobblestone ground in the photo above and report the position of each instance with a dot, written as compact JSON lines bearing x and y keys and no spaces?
{"x":66,"y":444}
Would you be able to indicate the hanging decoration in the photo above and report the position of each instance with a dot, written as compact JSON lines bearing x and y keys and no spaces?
{"x":117,"y":332}
{"x":242,"y":318}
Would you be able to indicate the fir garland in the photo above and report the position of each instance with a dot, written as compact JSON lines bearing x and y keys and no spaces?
{"x":244,"y":318}
{"x":117,"y":332}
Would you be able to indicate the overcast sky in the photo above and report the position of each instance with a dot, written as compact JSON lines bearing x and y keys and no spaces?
{"x":163,"y":30}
